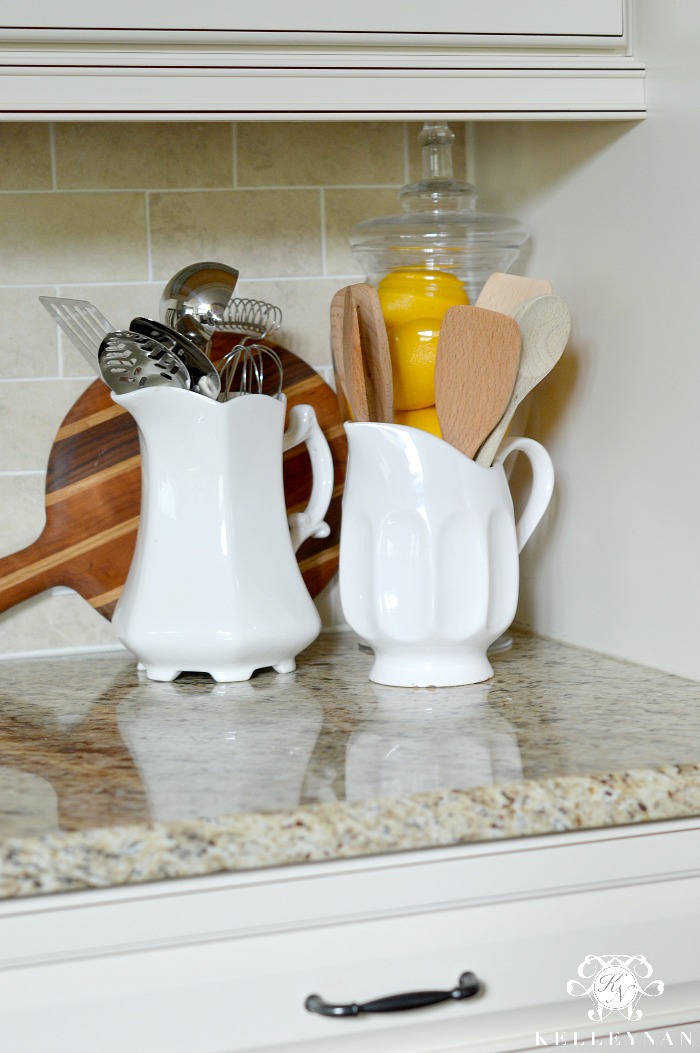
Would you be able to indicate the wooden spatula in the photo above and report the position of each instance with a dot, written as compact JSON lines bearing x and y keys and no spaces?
{"x":544,"y":323}
{"x":353,"y":364}
{"x":505,"y":292}
{"x":376,"y":356}
{"x":475,"y":370}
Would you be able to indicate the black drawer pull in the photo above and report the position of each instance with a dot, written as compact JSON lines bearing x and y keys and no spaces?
{"x":467,"y":987}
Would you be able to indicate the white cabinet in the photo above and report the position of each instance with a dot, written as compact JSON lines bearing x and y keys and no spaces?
{"x":547,"y":23}
{"x":464,"y":59}
{"x":225,"y":964}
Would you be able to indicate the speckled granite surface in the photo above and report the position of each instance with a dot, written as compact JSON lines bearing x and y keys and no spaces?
{"x":107,"y":778}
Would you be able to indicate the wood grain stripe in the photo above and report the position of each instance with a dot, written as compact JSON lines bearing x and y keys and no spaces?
{"x":57,"y":559}
{"x":111,"y":441}
{"x":106,"y":597}
{"x":78,"y":426}
{"x":319,"y":558}
{"x":91,"y":481}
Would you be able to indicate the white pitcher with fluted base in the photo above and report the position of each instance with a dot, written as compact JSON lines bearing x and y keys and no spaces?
{"x":214,"y":585}
{"x":429,"y":569}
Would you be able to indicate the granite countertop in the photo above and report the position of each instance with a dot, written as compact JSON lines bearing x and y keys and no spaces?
{"x":109,"y":779}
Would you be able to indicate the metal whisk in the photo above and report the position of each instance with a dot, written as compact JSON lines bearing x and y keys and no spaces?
{"x":250,"y":316}
{"x":244,"y":368}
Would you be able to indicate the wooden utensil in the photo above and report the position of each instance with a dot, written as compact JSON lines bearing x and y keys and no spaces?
{"x":544,"y":323}
{"x":353,"y":362}
{"x":375,"y":353}
{"x":475,"y":369}
{"x":337,"y":315}
{"x":93,"y":495}
{"x":505,"y":292}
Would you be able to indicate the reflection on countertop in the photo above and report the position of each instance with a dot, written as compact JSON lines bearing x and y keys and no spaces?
{"x":109,"y":778}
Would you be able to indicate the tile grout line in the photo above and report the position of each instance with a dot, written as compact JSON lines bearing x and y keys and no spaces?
{"x":274,"y":187}
{"x":406,"y":155}
{"x":322,"y":220}
{"x":149,"y":247}
{"x":52,"y":156}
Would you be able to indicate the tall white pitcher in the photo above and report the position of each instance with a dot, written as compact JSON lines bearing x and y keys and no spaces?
{"x":214,"y":585}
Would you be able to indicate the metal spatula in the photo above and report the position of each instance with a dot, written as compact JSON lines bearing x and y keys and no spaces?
{"x":84,"y":325}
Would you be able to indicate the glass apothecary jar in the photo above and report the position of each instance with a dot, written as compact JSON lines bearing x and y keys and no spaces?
{"x":434,"y":255}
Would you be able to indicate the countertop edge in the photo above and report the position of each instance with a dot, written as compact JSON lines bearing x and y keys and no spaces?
{"x":134,"y":854}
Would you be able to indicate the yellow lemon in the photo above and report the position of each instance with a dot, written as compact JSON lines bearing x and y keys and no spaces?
{"x":425,"y":419}
{"x":413,"y":346}
{"x":415,"y":292}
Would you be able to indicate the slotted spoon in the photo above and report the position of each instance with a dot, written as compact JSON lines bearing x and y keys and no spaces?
{"x":129,"y":361}
{"x":204,"y":377}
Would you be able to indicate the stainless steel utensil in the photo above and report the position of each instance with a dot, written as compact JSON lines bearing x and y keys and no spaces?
{"x":129,"y":361}
{"x":193,"y":331}
{"x":201,"y":290}
{"x":243,"y":370}
{"x":204,"y":378}
{"x":84,"y":325}
{"x":255,"y":317}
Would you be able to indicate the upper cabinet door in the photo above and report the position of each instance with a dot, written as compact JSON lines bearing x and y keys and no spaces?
{"x":463,"y":59}
{"x":546,"y":23}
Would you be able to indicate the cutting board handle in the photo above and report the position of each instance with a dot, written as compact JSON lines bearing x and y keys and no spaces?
{"x":25,"y":574}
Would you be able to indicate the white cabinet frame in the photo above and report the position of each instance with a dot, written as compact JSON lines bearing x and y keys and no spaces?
{"x":319,"y":60}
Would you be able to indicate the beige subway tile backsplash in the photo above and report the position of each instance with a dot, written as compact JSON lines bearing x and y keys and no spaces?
{"x":25,"y":156}
{"x":264,"y":233}
{"x":108,"y":212}
{"x":30,"y":414}
{"x":22,"y":513}
{"x":325,"y":154}
{"x":54,"y":621}
{"x":342,"y":210}
{"x":305,"y":305}
{"x":143,"y":155}
{"x":29,"y":337}
{"x":73,"y":237}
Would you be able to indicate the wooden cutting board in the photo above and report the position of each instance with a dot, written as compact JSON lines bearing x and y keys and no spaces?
{"x":93,"y":495}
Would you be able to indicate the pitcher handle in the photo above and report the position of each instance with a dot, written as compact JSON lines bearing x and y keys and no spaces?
{"x":542,"y":484}
{"x":303,"y":427}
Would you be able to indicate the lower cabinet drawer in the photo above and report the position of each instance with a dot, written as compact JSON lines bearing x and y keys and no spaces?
{"x":248,"y":994}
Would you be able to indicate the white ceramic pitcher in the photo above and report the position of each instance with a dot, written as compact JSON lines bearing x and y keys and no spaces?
{"x":429,"y":569}
{"x":214,"y":585}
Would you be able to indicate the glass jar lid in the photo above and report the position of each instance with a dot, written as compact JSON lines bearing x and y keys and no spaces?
{"x":439,"y":228}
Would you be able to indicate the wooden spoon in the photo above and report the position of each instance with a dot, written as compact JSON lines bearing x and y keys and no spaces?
{"x":375,"y":353}
{"x":353,"y":364}
{"x":544,"y":323}
{"x":475,"y":369}
{"x":337,"y":314}
{"x":505,"y":292}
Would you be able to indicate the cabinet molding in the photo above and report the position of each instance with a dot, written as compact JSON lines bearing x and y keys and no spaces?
{"x":474,"y":59}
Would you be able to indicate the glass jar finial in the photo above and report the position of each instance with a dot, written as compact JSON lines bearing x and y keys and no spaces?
{"x":437,"y":190}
